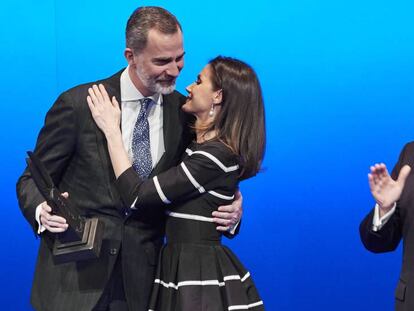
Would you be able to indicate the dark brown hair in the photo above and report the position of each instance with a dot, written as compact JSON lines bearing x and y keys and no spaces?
{"x":145,"y":18}
{"x":240,"y":123}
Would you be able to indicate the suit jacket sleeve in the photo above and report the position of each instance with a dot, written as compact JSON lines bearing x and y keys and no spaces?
{"x":388,"y":237}
{"x":55,"y":145}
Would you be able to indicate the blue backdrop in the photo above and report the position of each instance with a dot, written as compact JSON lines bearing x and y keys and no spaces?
{"x":337,"y":78}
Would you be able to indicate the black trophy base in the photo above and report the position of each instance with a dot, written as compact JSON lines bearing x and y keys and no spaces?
{"x":87,"y":248}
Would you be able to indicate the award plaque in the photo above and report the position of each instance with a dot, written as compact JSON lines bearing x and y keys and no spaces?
{"x":83,"y":238}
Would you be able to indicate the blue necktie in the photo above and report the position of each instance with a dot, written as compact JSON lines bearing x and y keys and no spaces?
{"x":141,"y":148}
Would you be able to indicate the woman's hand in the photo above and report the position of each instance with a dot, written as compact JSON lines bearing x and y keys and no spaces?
{"x":384,"y":189}
{"x":105,"y":112}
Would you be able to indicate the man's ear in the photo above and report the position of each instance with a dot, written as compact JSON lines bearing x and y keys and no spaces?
{"x":218,"y":97}
{"x":129,"y":56}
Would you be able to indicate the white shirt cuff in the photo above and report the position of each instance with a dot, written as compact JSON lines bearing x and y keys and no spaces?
{"x":377,"y":222}
{"x":37,"y":217}
{"x":233,"y":230}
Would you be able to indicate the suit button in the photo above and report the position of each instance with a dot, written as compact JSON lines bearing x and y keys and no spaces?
{"x":113,"y":251}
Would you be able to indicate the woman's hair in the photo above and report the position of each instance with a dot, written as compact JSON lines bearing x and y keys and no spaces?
{"x":240,"y":124}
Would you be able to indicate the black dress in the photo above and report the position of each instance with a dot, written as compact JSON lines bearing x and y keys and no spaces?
{"x":195,"y":271}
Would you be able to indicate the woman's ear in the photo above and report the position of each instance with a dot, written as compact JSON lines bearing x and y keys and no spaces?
{"x":218,"y":97}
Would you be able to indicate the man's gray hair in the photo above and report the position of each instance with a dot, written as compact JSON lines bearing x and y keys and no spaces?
{"x":145,"y":18}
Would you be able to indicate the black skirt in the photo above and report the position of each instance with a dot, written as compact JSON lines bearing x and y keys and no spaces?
{"x":203,"y":277}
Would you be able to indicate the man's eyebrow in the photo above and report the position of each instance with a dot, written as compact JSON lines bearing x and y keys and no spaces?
{"x":166,"y":59}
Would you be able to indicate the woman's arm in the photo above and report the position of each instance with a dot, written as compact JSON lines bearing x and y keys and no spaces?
{"x":197,"y":174}
{"x":194,"y":176}
{"x":107,"y":116}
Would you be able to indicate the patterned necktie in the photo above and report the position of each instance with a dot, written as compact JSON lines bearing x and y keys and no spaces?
{"x":141,"y":148}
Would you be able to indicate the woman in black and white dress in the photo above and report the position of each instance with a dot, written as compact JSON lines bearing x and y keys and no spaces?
{"x":195,"y":271}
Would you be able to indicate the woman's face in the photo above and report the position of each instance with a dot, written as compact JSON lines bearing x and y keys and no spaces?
{"x":201,"y":96}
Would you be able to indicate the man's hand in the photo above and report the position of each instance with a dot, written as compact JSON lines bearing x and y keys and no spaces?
{"x":52,"y":223}
{"x":228,"y":216}
{"x":384,"y":189}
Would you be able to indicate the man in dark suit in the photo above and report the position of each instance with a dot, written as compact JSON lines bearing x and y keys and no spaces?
{"x":392,"y":219}
{"x":74,"y":151}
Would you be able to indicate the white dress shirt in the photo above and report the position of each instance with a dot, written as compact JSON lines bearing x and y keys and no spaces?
{"x":130,"y":107}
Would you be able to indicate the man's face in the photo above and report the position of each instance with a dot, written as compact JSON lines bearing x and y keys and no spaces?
{"x":156,"y":68}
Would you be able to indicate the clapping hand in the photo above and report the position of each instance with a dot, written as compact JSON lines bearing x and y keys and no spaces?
{"x":384,"y":189}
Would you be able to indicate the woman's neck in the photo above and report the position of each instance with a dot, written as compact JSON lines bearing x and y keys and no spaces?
{"x":202,"y":134}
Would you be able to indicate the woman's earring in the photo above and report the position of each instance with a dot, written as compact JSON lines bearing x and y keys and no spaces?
{"x":211,"y":113}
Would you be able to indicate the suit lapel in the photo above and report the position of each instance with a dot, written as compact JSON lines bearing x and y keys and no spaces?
{"x":113,"y":87}
{"x":172,"y":132}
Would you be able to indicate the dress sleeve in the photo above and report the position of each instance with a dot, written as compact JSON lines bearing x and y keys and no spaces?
{"x":192,"y":177}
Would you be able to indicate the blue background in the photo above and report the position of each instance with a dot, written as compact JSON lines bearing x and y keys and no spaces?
{"x":337,"y":78}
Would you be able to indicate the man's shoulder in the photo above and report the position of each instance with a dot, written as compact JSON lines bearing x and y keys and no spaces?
{"x":409,"y":148}
{"x":81,"y":90}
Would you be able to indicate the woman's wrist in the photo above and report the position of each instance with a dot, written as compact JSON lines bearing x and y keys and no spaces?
{"x":113,"y":135}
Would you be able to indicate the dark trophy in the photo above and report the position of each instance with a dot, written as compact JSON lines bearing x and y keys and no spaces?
{"x":83,"y":238}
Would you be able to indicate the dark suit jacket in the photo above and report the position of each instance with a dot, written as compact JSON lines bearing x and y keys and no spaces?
{"x":75,"y":153}
{"x":399,"y":226}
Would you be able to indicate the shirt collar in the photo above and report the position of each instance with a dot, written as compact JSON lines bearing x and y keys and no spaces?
{"x":130,"y":93}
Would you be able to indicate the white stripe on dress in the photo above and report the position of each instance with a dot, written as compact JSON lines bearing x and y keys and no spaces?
{"x":191,"y":178}
{"x":240,"y":307}
{"x":189,"y":216}
{"x":159,"y":191}
{"x":214,"y":159}
{"x":201,"y":283}
{"x":245,"y":307}
{"x":221,"y":196}
{"x":245,"y":277}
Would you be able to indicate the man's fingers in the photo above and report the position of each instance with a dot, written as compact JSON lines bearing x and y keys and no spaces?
{"x":226,"y":208}
{"x":57,"y":219}
{"x":45,"y":207}
{"x":54,"y":229}
{"x":65,"y":195}
{"x":238,"y":195}
{"x":54,"y":224}
{"x":222,"y":221}
{"x":48,"y":219}
{"x":221,"y":228}
{"x":225,"y":215}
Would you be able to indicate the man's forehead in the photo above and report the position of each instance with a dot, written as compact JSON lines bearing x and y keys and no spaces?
{"x":161,"y":44}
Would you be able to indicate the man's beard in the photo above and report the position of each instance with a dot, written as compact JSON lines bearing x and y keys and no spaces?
{"x":152,"y":84}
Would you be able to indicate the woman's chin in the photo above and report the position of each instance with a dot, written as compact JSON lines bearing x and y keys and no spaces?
{"x":186,"y":108}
